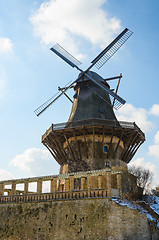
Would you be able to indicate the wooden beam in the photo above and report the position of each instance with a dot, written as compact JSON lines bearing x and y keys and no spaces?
{"x":85,"y":142}
{"x":77,"y":145}
{"x":103,"y":136}
{"x":130,"y":147}
{"x":55,"y":147}
{"x":60,"y":145}
{"x":117,"y":87}
{"x":69,"y":147}
{"x":50,"y":150}
{"x":116,"y":149}
{"x":129,"y":152}
{"x":110,"y":144}
{"x":58,"y":148}
{"x":52,"y":153}
{"x":135,"y":150}
{"x":93,"y":142}
{"x":130,"y":140}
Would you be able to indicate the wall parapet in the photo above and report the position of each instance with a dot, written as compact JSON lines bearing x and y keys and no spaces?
{"x":81,"y":194}
{"x":99,"y":183}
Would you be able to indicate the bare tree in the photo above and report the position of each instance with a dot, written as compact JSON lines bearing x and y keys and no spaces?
{"x":144,"y":177}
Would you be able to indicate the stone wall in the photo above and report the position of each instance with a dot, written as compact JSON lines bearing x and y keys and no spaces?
{"x":89,"y":219}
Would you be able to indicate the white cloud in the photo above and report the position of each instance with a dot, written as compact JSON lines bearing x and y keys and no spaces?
{"x":139,"y":162}
{"x":5,"y":175}
{"x":35,"y":162}
{"x":156,"y":138}
{"x":154,"y":150}
{"x":132,"y":114}
{"x":65,"y":21}
{"x":6,"y":45}
{"x":155,"y":110}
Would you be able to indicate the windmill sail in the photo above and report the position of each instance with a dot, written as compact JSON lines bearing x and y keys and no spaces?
{"x":111,"y":49}
{"x":47,"y":104}
{"x":99,"y":61}
{"x":66,"y":56}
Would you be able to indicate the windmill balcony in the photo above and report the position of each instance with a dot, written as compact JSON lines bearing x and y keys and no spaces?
{"x":91,"y":144}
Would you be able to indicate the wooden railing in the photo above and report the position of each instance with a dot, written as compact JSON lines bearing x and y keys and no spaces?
{"x":93,"y":122}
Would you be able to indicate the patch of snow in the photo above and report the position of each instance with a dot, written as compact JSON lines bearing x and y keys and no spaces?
{"x":153,"y":202}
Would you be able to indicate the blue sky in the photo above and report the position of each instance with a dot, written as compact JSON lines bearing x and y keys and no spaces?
{"x":30,"y":73}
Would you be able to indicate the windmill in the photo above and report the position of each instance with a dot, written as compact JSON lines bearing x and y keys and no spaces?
{"x":115,"y":100}
{"x":92,"y":138}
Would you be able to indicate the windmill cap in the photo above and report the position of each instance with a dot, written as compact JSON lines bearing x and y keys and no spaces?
{"x":93,"y":75}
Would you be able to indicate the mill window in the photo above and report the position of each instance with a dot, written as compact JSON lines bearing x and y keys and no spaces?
{"x":105,"y":148}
